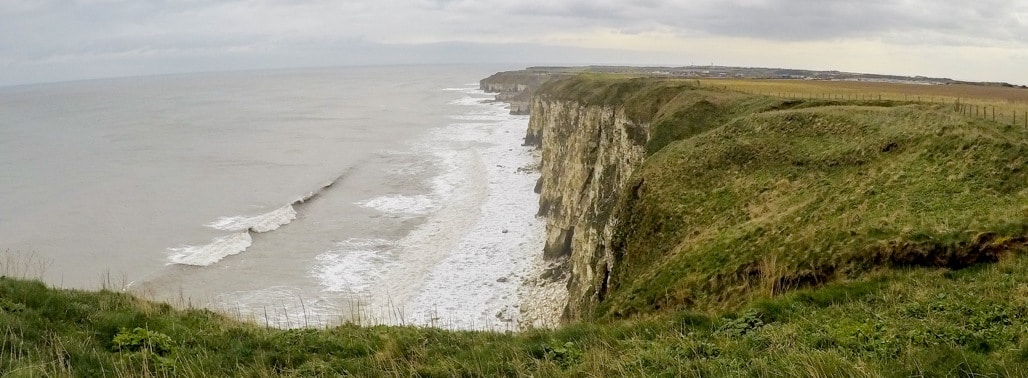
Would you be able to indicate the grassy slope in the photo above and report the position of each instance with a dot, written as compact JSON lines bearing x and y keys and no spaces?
{"x":745,"y":200}
{"x":777,"y":194}
{"x":912,"y":321}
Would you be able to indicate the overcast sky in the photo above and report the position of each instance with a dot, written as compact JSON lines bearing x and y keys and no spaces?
{"x":54,"y":40}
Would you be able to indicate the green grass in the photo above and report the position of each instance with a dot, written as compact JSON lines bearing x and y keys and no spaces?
{"x":744,"y":195}
{"x":761,"y":237}
{"x":894,"y":323}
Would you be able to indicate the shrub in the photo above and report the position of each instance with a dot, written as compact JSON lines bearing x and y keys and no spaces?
{"x":142,"y":340}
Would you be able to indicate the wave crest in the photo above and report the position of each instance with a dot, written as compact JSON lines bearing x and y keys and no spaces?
{"x":269,"y":221}
{"x":204,"y":255}
{"x":221,"y":247}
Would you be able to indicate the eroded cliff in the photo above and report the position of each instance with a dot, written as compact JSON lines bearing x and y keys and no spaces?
{"x":588,"y":154}
{"x":594,"y":132}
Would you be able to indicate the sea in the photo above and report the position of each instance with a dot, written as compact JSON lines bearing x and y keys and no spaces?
{"x":292,"y":198}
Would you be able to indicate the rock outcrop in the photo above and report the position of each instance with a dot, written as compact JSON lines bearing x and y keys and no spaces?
{"x":588,"y":154}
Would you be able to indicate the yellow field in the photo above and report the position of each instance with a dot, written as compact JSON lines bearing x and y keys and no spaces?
{"x":1004,"y":105}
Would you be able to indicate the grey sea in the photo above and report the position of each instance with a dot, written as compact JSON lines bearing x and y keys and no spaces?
{"x":293,"y":198}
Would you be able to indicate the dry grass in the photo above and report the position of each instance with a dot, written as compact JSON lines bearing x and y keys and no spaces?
{"x":1007,"y":105}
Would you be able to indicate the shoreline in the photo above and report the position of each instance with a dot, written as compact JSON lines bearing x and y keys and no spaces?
{"x":543,"y":292}
{"x":488,"y":278}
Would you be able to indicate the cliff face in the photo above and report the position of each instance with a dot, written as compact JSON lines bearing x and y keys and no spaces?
{"x":588,"y":154}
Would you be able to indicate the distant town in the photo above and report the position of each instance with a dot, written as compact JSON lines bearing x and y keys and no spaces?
{"x":723,"y":72}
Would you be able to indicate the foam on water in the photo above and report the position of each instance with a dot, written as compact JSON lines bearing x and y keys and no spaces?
{"x":386,"y":275}
{"x":400,"y":204}
{"x":476,"y":285}
{"x":468,"y":100}
{"x":207,"y":254}
{"x":428,"y":244}
{"x":464,"y":132}
{"x":353,"y":266}
{"x":452,"y":163}
{"x":462,"y":267}
{"x":269,"y":221}
{"x":280,"y":307}
{"x":480,"y":117}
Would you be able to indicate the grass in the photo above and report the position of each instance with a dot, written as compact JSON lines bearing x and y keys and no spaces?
{"x":745,"y":194}
{"x":762,"y":236}
{"x":889,"y":91}
{"x":1002,"y":104}
{"x":894,"y":323}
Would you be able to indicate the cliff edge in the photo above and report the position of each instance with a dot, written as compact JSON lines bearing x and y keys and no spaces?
{"x":663,"y":195}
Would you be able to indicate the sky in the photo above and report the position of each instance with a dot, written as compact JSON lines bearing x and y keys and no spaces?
{"x":59,"y":40}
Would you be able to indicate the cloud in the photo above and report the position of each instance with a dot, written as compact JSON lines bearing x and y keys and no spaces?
{"x":41,"y":31}
{"x":792,"y":20}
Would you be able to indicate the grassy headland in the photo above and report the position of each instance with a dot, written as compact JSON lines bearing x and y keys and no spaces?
{"x":745,"y":194}
{"x":762,"y":236}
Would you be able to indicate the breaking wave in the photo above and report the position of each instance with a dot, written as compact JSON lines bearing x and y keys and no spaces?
{"x":269,"y":221}
{"x":224,"y":246}
{"x":204,"y":255}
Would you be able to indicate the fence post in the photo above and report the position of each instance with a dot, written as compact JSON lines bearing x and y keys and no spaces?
{"x":994,"y":114}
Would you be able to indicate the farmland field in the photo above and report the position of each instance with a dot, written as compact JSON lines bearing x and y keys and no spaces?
{"x":1007,"y":105}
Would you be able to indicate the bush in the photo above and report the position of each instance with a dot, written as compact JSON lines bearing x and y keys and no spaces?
{"x":142,"y":340}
